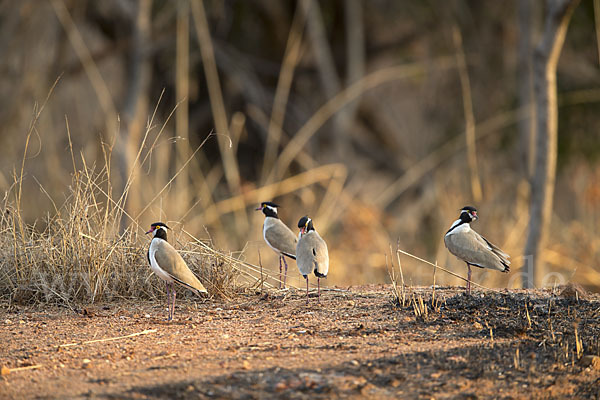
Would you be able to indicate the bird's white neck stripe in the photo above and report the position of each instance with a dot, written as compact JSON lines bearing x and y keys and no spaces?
{"x":272,"y":209}
{"x":458,"y":226}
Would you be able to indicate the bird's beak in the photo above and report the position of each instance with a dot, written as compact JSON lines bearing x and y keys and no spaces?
{"x":150,"y":231}
{"x":258,"y":209}
{"x":474,"y":214}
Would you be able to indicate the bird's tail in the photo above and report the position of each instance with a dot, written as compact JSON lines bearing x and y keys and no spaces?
{"x":319,"y":274}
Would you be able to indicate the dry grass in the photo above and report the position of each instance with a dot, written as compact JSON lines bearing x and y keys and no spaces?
{"x":83,"y":255}
{"x":407,"y":296}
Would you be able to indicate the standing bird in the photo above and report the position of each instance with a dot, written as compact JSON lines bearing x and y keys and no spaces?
{"x":278,"y":236}
{"x":471,"y":247}
{"x":311,"y":254}
{"x":166,"y":262}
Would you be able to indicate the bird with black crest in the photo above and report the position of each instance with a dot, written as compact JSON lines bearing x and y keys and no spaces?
{"x":472,"y":248}
{"x":169,"y":266}
{"x":278,"y":236}
{"x":312,"y":255}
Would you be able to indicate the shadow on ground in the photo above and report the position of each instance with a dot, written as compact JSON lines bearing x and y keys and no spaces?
{"x":527,"y":347}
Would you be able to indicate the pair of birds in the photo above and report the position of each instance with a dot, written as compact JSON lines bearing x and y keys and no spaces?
{"x":310,"y":251}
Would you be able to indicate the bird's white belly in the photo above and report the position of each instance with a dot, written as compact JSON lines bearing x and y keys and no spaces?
{"x":156,"y":268}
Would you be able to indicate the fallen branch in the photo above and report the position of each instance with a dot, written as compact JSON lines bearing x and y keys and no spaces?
{"x":6,"y":370}
{"x":145,"y":332}
{"x":164,"y":356}
{"x":447,"y":271}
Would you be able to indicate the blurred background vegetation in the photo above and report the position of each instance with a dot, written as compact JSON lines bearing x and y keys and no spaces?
{"x":356,"y":113}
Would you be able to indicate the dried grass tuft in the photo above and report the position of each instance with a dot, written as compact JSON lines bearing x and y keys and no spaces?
{"x":81,"y":253}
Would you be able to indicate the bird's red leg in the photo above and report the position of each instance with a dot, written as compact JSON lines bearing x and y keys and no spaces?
{"x":168,"y":300}
{"x":306,"y":289}
{"x":468,"y":278}
{"x":319,"y":289}
{"x":280,"y":268}
{"x":285,"y":274}
{"x":174,"y":293}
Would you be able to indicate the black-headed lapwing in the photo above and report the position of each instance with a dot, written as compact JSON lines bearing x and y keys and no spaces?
{"x":471,"y":247}
{"x":278,"y":236}
{"x":311,"y":254}
{"x":166,"y":262}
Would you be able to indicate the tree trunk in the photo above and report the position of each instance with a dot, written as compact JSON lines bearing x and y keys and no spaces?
{"x":547,"y":53}
{"x":526,"y":149}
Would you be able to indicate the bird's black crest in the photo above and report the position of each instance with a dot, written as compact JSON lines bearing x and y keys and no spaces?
{"x":468,"y":208}
{"x":158,"y":232}
{"x":268,"y":208}
{"x":303,"y":221}
{"x":157,"y":224}
{"x":306,"y":222}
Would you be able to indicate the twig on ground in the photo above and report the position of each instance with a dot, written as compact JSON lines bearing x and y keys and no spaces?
{"x":144,"y":332}
{"x":164,"y":356}
{"x":6,"y":371}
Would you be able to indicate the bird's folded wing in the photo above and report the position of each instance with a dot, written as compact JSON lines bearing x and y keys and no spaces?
{"x":321,"y":254}
{"x":281,"y":237}
{"x":499,"y":252}
{"x":471,"y":248}
{"x":173,"y":264}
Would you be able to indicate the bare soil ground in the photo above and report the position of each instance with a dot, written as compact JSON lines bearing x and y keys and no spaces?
{"x":358,"y":343}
